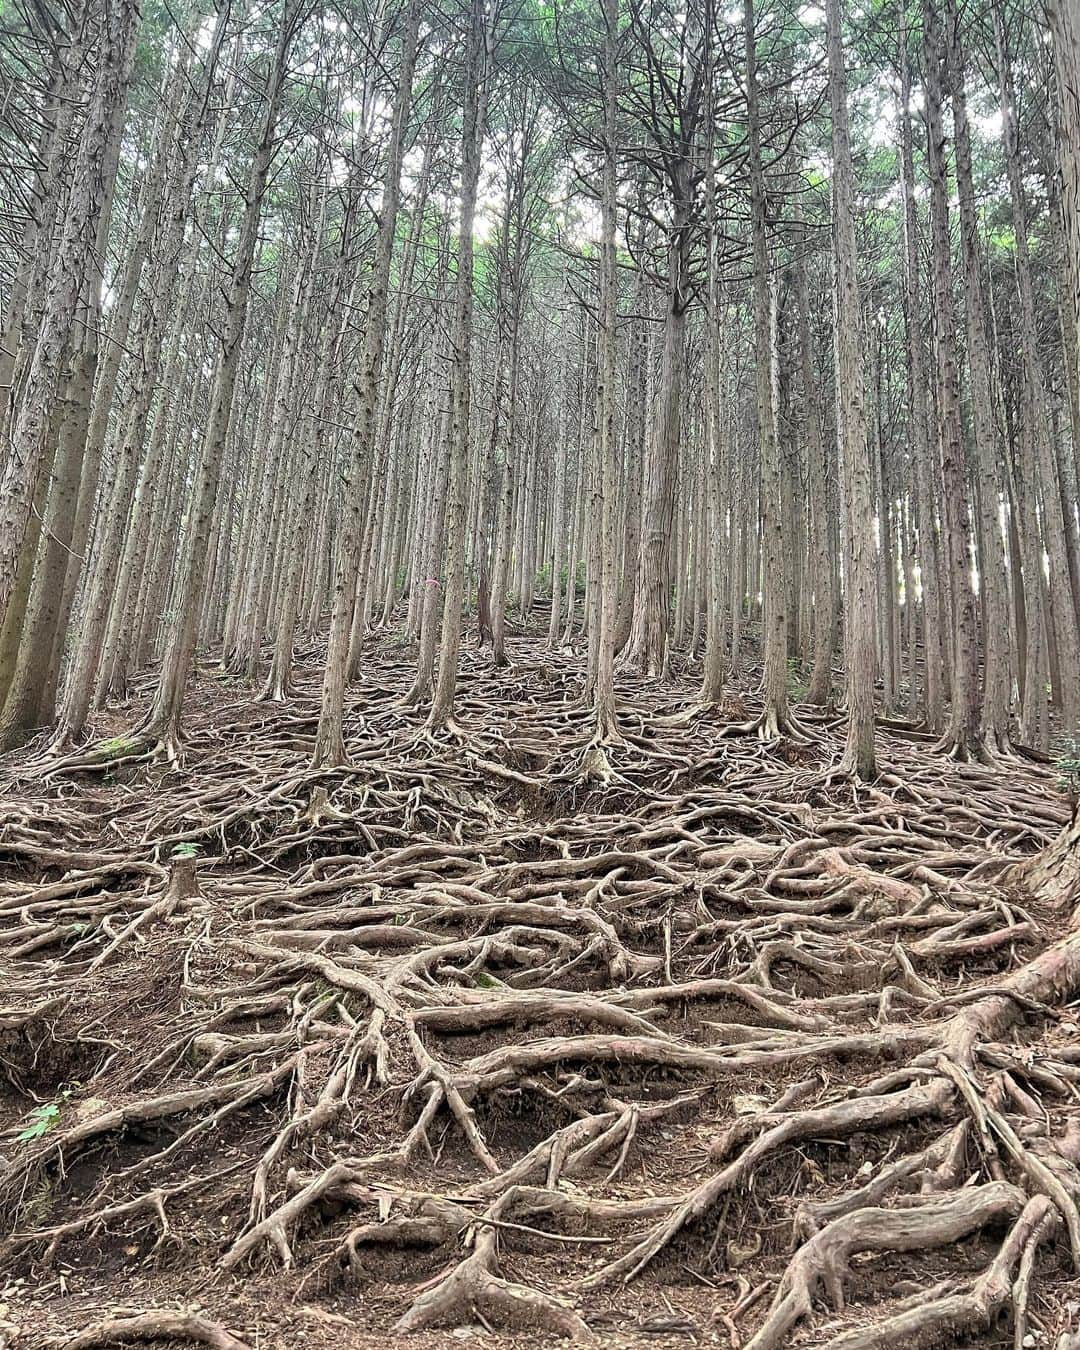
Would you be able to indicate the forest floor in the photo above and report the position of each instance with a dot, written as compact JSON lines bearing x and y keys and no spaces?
{"x":466,"y":1040}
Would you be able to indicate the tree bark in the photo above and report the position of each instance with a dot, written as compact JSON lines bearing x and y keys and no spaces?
{"x":92,"y":170}
{"x":859,"y":600}
{"x":330,"y":738}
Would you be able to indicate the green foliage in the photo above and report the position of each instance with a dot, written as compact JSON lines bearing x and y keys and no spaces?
{"x":185,"y":850}
{"x":1067,"y":765}
{"x":42,"y":1119}
{"x":39,"y":1206}
{"x":797,"y":686}
{"x":543,"y":580}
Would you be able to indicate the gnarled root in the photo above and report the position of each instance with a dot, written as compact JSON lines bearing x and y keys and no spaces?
{"x":824,"y":1259}
{"x":475,"y":1287}
{"x":156,"y":1326}
{"x":840,"y":1118}
{"x":934,"y":1323}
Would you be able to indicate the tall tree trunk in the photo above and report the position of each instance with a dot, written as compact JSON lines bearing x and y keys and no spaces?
{"x":606,"y":724}
{"x":1061,"y":615}
{"x":1065,"y":38}
{"x":103,"y":588}
{"x":480,"y":35}
{"x":92,"y":172}
{"x":162,"y":722}
{"x":330,"y":738}
{"x":918,"y":404}
{"x":776,"y":718}
{"x":992,"y":583}
{"x":963,"y":739}
{"x":859,"y":600}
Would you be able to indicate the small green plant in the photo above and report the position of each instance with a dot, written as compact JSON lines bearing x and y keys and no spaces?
{"x":1067,"y":765}
{"x":797,"y":687}
{"x":185,"y":850}
{"x":39,"y":1206}
{"x":42,"y":1119}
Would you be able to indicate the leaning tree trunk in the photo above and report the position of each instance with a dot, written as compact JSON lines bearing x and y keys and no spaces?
{"x":1053,"y":874}
{"x":26,"y":704}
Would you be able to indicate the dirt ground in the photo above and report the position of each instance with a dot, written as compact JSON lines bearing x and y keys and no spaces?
{"x":491,"y":1038}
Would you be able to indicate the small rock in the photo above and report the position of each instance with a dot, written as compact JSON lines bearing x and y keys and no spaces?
{"x":866,"y":1170}
{"x":1070,"y":1028}
{"x":1029,"y":1341}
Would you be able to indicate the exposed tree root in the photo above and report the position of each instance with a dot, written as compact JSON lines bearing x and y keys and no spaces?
{"x":514,"y":1025}
{"x":823,"y":1259}
{"x":938,"y":1321}
{"x":475,"y":1287}
{"x":156,"y":1326}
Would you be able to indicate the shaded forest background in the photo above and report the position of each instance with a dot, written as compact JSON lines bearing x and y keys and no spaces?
{"x":389,"y":314}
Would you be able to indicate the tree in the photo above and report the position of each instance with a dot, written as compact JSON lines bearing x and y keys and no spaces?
{"x":482,"y":20}
{"x":964,"y":737}
{"x":161,"y":725}
{"x":329,"y":740}
{"x":859,"y":613}
{"x":92,"y":171}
